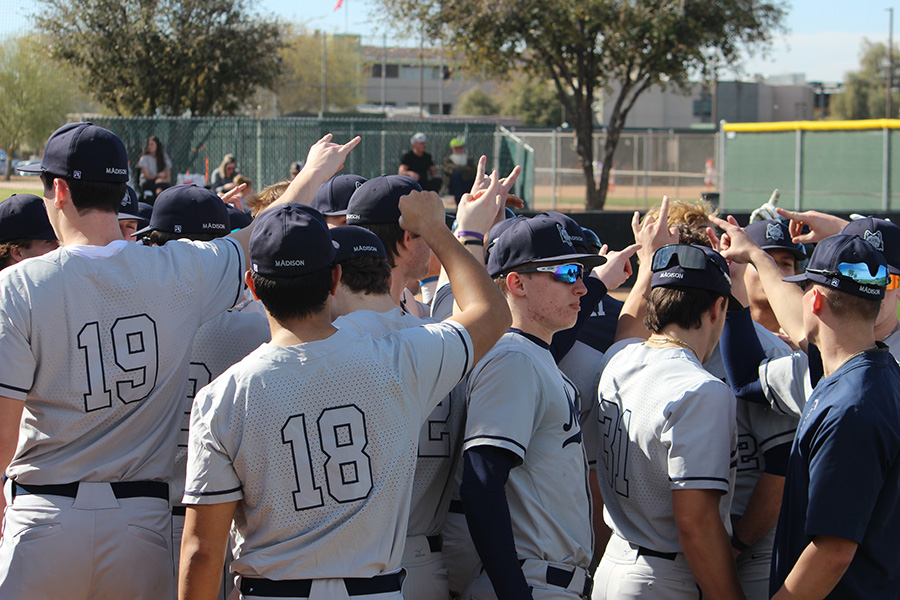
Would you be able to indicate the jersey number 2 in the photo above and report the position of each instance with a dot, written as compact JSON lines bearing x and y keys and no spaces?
{"x":348,"y":469}
{"x":135,"y":352}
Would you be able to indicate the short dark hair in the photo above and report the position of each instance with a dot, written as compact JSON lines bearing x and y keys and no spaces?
{"x":683,"y":307}
{"x":293,"y":297}
{"x":850,"y":306}
{"x":367,"y":274}
{"x":90,"y":195}
{"x":6,"y":259}
{"x":159,"y":238}
{"x":390,"y":234}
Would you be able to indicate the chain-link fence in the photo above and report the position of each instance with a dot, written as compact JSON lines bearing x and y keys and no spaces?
{"x":647,"y":164}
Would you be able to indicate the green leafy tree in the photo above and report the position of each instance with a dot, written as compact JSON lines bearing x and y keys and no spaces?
{"x":865,"y":91}
{"x":169,"y":57}
{"x":477,"y":103}
{"x":35,"y":94}
{"x":299,"y":87}
{"x":583,"y":45}
{"x":534,"y":101}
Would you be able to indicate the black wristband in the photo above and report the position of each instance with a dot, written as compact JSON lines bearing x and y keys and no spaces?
{"x":473,"y":242}
{"x":737,"y":544}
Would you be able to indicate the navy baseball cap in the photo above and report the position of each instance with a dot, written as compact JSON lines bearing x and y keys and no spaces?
{"x":692,"y":266}
{"x":572,"y":228}
{"x":774,"y":235}
{"x":884,"y":237}
{"x":592,"y":239}
{"x":378,"y":200}
{"x":24,"y":217}
{"x":145,"y":211}
{"x":237,"y":219}
{"x":540,"y":239}
{"x":129,"y":207}
{"x":333,"y":196}
{"x":84,"y":151}
{"x":353,"y":241}
{"x":188,"y":209}
{"x":290,"y":240}
{"x":848,"y":263}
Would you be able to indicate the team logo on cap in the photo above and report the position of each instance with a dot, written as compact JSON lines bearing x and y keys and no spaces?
{"x":125,"y":200}
{"x":177,"y":228}
{"x":875,"y":239}
{"x":76,"y":175}
{"x":774,"y":232}
{"x":358,"y":184}
{"x":835,"y":283}
{"x":564,"y":235}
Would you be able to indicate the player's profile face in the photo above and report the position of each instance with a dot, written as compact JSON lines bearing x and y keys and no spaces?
{"x":38,"y":248}
{"x":553,"y":303}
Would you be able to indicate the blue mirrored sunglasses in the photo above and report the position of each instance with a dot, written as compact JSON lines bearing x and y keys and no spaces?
{"x":858,"y":272}
{"x":562,"y":273}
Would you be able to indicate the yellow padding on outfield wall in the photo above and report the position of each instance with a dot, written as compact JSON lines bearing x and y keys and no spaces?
{"x":814,"y":125}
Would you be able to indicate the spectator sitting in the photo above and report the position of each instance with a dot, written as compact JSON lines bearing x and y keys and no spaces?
{"x":296,"y":166}
{"x":223,"y":177}
{"x":459,"y":169}
{"x":155,"y":169}
{"x":419,"y":166}
{"x":240,"y":199}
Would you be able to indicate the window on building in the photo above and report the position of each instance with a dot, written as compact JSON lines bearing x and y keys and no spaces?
{"x":703,"y":107}
{"x":390,"y":71}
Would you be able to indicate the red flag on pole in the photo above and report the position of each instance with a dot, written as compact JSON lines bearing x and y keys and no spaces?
{"x":338,"y":4}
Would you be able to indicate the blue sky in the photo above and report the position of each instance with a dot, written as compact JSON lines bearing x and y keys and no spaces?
{"x":823,"y":40}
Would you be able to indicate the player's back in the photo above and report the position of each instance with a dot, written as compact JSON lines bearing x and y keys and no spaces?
{"x":666,"y":424}
{"x":317,"y":441}
{"x":96,"y":340}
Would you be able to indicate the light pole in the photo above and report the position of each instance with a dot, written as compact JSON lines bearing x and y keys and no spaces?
{"x":890,"y":78}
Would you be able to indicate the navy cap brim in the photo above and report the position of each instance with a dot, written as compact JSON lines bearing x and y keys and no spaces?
{"x":124,"y":216}
{"x":335,"y":213}
{"x":35,"y":168}
{"x":839,"y":283}
{"x":589,"y":261}
{"x":798,"y":254}
{"x":146,"y":229}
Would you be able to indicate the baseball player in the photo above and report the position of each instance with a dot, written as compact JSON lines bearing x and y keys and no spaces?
{"x":91,"y":367}
{"x":25,"y":230}
{"x":319,"y":480}
{"x":129,"y":217}
{"x":666,"y":469}
{"x":199,"y":214}
{"x":525,"y":477}
{"x":333,"y":196}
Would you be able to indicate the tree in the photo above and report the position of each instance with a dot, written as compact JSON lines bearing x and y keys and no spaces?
{"x":865,"y":91}
{"x":534,"y":101}
{"x":35,"y":95}
{"x":299,"y":87}
{"x":583,"y":45}
{"x":477,"y":103}
{"x":164,"y":57}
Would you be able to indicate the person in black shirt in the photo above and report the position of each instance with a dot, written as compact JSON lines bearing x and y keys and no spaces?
{"x":418,"y":165}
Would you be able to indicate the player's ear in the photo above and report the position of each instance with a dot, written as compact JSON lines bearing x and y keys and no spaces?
{"x":515,"y":283}
{"x":61,"y":192}
{"x":818,"y":301}
{"x":16,"y":253}
{"x":335,"y":278}
{"x":718,"y":308}
{"x":248,"y":279}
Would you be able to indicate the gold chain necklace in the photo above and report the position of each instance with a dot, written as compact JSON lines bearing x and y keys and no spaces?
{"x":662,"y":339}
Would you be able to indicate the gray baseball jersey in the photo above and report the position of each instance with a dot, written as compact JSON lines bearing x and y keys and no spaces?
{"x":219,"y":344}
{"x":317,"y":443}
{"x":667,"y":424}
{"x":442,"y":303}
{"x":96,"y":342}
{"x":520,"y":401}
{"x":581,"y":365}
{"x":440,"y":440}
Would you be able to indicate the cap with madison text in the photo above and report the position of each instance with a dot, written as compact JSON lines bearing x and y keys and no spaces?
{"x":883,"y":235}
{"x":188,"y":209}
{"x":24,"y":217}
{"x":378,"y":200}
{"x":84,"y":151}
{"x":848,"y":263}
{"x":714,"y":275}
{"x":540,"y":239}
{"x":353,"y":242}
{"x":290,"y":240}
{"x":333,"y":196}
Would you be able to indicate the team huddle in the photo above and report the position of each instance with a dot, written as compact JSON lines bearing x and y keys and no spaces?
{"x":237,"y":409}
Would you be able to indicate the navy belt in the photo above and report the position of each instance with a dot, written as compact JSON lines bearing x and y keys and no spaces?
{"x":435,"y":542}
{"x":562,"y":578}
{"x":641,"y":551}
{"x":300,"y":588}
{"x":179,"y":511}
{"x":456,"y":506}
{"x":121,"y":489}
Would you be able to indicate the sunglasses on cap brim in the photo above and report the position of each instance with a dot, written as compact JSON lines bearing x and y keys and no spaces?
{"x":563,"y":273}
{"x":860,"y":273}
{"x":688,"y":257}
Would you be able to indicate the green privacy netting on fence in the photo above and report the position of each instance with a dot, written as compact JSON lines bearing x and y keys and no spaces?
{"x":265,"y":148}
